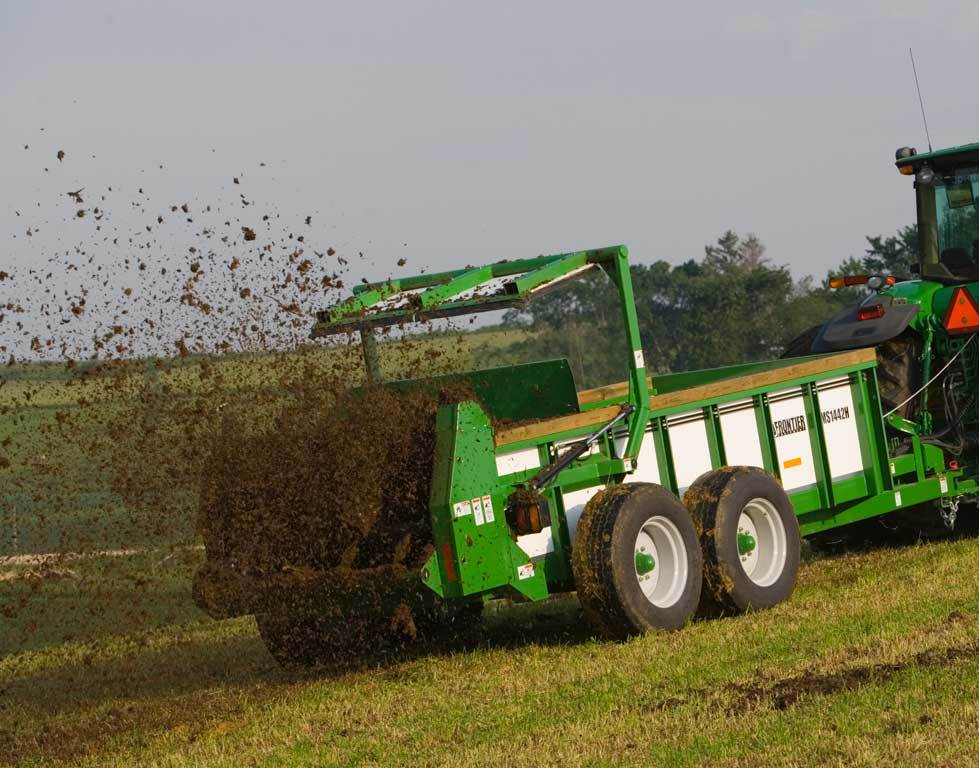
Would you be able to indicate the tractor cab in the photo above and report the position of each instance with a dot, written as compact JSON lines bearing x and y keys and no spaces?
{"x":946,"y":186}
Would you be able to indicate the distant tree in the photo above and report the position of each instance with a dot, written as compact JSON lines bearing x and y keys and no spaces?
{"x":893,"y":255}
{"x":723,"y":310}
{"x":731,"y":252}
{"x":732,"y":306}
{"x":885,"y":255}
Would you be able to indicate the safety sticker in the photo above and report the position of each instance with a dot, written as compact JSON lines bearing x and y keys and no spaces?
{"x":488,"y":508}
{"x":525,"y":571}
{"x":462,"y":508}
{"x":478,"y":510}
{"x":897,"y":498}
{"x":640,"y":362}
{"x":943,"y":483}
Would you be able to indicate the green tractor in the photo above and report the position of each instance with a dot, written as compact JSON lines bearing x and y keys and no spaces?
{"x":922,"y":324}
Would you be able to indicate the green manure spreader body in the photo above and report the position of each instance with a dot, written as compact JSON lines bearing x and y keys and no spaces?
{"x":815,"y":427}
{"x":662,"y":497}
{"x":654,"y":498}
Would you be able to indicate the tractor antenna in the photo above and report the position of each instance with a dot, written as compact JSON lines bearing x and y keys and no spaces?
{"x":921,"y":102}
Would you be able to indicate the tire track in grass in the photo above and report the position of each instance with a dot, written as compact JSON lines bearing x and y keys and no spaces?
{"x":782,"y":694}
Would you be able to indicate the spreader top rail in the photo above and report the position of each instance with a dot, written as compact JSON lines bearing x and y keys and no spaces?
{"x":502,"y":285}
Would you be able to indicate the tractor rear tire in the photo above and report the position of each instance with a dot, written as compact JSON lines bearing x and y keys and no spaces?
{"x":636,"y":561}
{"x":898,"y":368}
{"x":801,"y":345}
{"x":899,"y":374}
{"x":750,"y":539}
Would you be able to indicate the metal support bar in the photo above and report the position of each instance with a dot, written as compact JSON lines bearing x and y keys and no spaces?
{"x":763,"y":420}
{"x":368,"y":345}
{"x":639,"y":390}
{"x":578,"y":449}
{"x":715,"y":440}
{"x":817,"y":442}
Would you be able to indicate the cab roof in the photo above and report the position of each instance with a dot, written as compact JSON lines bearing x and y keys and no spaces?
{"x":940,"y":158}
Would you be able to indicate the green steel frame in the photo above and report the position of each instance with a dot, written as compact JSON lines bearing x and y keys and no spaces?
{"x":475,"y":553}
{"x":453,"y":293}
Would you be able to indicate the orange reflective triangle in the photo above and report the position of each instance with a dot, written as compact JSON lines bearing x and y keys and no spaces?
{"x":962,"y":315}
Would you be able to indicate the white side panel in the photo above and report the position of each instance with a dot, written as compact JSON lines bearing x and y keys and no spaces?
{"x":739,"y":430}
{"x":574,"y":505}
{"x":537,"y":544}
{"x":517,"y":461}
{"x":647,"y":469}
{"x":840,"y":428}
{"x":691,"y":452}
{"x":792,"y":442}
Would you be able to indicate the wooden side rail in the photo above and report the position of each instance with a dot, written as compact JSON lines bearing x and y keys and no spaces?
{"x":700,"y":394}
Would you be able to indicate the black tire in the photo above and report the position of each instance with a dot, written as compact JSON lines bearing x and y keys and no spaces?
{"x":898,"y":368}
{"x":899,"y":373}
{"x":605,"y":564}
{"x":801,"y":345}
{"x":716,"y":502}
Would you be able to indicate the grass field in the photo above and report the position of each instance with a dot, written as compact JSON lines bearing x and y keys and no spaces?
{"x":105,"y":661}
{"x":875,"y":661}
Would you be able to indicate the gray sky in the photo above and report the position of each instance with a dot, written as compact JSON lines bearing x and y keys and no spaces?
{"x":453,"y":133}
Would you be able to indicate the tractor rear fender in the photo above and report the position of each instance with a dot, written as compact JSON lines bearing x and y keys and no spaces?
{"x":846,"y":331}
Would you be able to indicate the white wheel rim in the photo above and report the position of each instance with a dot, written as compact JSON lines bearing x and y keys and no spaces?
{"x":660,"y":539}
{"x":764,"y":562}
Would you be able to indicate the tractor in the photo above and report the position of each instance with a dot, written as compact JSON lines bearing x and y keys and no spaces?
{"x":921,"y":327}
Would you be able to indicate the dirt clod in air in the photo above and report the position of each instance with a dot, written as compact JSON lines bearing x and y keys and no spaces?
{"x":164,"y":392}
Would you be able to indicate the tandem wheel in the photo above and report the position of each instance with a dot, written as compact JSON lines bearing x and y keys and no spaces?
{"x":750,"y":539}
{"x":637,"y":561}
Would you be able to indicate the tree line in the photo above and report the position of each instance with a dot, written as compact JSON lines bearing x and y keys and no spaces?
{"x":733,"y":305}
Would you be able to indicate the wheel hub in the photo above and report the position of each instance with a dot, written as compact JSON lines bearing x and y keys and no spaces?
{"x":644,"y":563}
{"x":746,"y":542}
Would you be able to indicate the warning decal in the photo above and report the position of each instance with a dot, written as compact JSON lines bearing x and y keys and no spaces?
{"x":462,"y":509}
{"x":477,"y":510}
{"x":525,"y":571}
{"x":488,"y":509}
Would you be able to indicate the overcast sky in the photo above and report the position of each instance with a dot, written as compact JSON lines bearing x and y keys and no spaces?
{"x":453,"y":133}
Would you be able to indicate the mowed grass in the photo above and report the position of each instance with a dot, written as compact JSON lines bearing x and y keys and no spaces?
{"x":874,"y":661}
